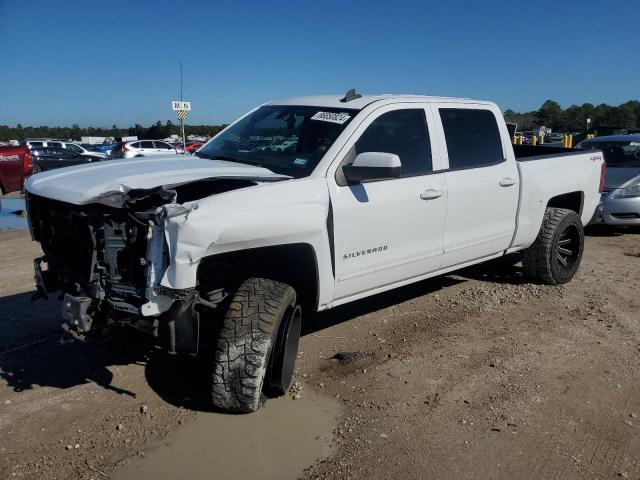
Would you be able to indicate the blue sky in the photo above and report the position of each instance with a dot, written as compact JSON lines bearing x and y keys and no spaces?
{"x":116,"y":62}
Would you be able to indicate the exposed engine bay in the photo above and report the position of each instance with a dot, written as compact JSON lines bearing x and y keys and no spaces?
{"x":106,"y":259}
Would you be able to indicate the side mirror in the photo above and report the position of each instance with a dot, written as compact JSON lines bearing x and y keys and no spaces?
{"x":372,"y":166}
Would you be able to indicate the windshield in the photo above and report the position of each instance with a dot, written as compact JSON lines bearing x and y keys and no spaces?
{"x":616,"y":154}
{"x":290,"y":140}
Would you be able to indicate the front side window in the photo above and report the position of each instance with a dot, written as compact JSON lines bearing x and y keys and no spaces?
{"x":74,"y":148}
{"x":63,"y":152}
{"x":472,"y":136}
{"x":163,"y":146}
{"x":403,"y":133}
{"x":290,"y":140}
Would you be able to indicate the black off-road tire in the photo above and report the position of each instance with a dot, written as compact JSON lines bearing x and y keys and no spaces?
{"x":262,"y":317}
{"x":555,"y":256}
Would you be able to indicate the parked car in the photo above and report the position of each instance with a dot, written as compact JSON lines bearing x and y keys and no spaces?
{"x":34,"y":143}
{"x":15,"y":167}
{"x":621,"y":196}
{"x":144,"y":148}
{"x":193,"y":145}
{"x":74,"y":147}
{"x":49,"y":158}
{"x":553,"y":137}
{"x":104,"y":148}
{"x":231,"y":251}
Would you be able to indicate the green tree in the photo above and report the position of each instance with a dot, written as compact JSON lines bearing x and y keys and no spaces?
{"x":549,"y":114}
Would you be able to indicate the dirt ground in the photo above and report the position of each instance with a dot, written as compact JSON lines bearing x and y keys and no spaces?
{"x":473,"y":375}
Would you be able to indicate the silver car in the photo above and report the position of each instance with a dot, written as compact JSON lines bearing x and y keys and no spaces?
{"x":620,"y":203}
{"x":145,"y":148}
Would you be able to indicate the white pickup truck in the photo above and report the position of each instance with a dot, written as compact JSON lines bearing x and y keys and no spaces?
{"x":299,"y":206}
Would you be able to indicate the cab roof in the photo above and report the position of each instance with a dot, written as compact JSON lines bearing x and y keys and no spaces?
{"x":335,"y":101}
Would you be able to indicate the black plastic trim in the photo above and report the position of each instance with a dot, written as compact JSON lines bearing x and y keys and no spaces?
{"x":330,"y":234}
{"x":355,"y":175}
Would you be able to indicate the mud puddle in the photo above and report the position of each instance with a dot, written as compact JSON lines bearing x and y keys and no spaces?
{"x":12,"y":213}
{"x":278,"y":442}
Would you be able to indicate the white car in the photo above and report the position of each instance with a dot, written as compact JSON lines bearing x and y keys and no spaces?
{"x":74,"y":147}
{"x":145,"y":148}
{"x":236,"y":249}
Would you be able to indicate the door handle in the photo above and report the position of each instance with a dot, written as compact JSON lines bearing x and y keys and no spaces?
{"x":507,"y":182}
{"x":431,"y":194}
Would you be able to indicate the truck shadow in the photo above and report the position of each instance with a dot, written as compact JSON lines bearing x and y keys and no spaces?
{"x":180,"y":380}
{"x":45,"y":356}
{"x":507,"y":269}
{"x":35,"y":351}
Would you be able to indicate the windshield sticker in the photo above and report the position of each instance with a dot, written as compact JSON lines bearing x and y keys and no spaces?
{"x":331,"y":117}
{"x":301,"y":162}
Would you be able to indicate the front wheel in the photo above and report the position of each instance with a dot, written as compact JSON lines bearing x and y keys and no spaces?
{"x":257,"y":346}
{"x":555,"y":256}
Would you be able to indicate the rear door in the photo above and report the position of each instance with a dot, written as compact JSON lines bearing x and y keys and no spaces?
{"x":146,"y":147}
{"x":482,"y":182}
{"x":68,"y":158}
{"x":389,"y":231}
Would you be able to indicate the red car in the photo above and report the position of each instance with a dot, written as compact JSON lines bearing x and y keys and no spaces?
{"x":15,"y":167}
{"x":193,"y":146}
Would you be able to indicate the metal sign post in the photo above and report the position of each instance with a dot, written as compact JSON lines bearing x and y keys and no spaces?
{"x":182,"y":108}
{"x":184,"y":140}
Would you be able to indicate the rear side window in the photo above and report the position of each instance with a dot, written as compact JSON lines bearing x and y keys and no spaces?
{"x":36,"y":144}
{"x":54,"y":144}
{"x":146,"y":145}
{"x":473,"y":138}
{"x":404,"y":133}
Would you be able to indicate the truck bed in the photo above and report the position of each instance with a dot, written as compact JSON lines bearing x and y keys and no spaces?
{"x":530,"y":152}
{"x":555,"y":172}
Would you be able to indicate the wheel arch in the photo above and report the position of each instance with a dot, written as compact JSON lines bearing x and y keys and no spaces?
{"x":571,"y":201}
{"x":295,"y":264}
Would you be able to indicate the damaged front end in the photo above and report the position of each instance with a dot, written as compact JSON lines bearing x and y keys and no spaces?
{"x":106,"y":260}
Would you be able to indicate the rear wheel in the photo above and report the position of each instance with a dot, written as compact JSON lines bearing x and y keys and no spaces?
{"x":257,"y":346}
{"x":555,"y":256}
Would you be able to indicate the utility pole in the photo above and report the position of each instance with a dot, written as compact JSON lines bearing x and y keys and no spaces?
{"x":184,"y":140}
{"x":181,"y":108}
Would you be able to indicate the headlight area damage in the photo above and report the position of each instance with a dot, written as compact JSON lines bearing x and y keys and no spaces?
{"x":107,"y":259}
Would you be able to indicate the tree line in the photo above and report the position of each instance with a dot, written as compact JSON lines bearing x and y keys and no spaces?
{"x":574,"y":118}
{"x":550,"y":114}
{"x":75,"y":132}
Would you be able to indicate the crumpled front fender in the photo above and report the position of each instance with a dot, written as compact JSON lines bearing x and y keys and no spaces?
{"x":269,"y":214}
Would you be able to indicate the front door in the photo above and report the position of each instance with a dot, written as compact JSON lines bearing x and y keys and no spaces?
{"x":387,"y":231}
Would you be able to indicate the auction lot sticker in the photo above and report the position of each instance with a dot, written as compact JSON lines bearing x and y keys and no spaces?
{"x":331,"y":117}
